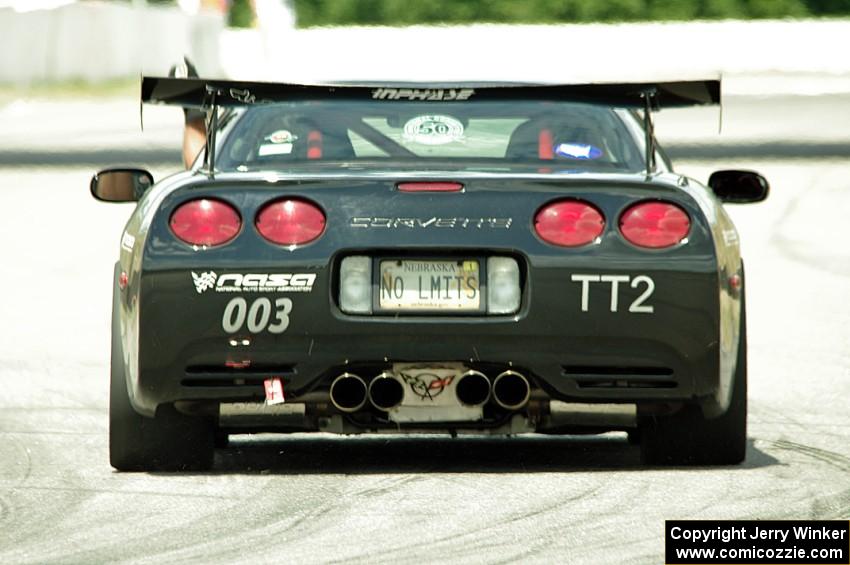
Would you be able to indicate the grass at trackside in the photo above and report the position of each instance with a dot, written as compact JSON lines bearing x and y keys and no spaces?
{"x":70,"y":89}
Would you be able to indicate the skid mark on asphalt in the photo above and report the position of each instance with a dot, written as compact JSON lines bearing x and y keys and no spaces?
{"x":17,"y":459}
{"x":265,"y":516}
{"x":138,"y":534}
{"x":284,"y":530}
{"x":310,"y":522}
{"x":16,"y":471}
{"x":5,"y":511}
{"x":835,"y":507}
{"x":384,"y":486}
{"x":122,"y":492}
{"x":831,"y":458}
{"x":474,"y":541}
{"x":781,"y":421}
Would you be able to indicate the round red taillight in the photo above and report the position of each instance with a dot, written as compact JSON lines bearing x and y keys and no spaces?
{"x":655,"y":224}
{"x":569,"y":223}
{"x":205,"y":222}
{"x":290,"y":222}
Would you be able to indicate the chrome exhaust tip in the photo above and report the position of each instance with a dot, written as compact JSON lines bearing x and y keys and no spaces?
{"x":511,"y":390}
{"x":348,"y":392}
{"x":473,"y":388}
{"x":386,"y":391}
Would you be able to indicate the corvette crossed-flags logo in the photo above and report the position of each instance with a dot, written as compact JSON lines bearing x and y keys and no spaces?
{"x":204,"y":281}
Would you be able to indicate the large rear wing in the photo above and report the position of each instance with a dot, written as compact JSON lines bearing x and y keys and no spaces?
{"x":208,"y":94}
{"x":202,"y":93}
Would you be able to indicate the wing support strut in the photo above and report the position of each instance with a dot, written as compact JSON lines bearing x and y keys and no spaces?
{"x":211,"y":102}
{"x":650,"y":103}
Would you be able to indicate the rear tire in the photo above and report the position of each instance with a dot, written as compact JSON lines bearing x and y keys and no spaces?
{"x":688,"y":438}
{"x":170,"y":441}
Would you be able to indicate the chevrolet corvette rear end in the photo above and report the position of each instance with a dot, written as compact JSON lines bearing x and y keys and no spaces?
{"x":461,"y":259}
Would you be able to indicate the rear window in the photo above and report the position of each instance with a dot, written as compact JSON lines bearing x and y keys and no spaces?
{"x":483,"y":134}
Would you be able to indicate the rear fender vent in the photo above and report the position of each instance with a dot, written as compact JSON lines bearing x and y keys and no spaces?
{"x":620,"y":377}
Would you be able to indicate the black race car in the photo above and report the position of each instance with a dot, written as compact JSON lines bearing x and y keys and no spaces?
{"x":447,"y":258}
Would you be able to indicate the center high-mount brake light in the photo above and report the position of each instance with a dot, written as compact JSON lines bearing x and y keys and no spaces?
{"x":429,"y":187}
{"x":569,"y":223}
{"x":205,"y":222}
{"x":290,"y":221}
{"x":655,"y":224}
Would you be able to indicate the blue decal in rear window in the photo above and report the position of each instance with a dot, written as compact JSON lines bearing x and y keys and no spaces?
{"x":578,"y":151}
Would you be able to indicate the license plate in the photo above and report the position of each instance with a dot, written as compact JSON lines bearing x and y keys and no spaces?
{"x":420,"y":285}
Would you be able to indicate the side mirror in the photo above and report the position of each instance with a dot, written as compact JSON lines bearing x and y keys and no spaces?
{"x":120,"y":185}
{"x":739,"y":186}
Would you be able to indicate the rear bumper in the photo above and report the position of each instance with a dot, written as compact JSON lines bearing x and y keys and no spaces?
{"x":572,"y":354}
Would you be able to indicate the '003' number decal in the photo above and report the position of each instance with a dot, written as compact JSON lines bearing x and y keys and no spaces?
{"x":639,"y":305}
{"x":257,"y":317}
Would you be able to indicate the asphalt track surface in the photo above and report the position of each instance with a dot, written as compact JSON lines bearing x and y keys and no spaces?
{"x":393,"y":499}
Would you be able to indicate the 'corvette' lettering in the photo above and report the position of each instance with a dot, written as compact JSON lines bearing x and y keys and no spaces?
{"x":432,"y":223}
{"x":638,"y":306}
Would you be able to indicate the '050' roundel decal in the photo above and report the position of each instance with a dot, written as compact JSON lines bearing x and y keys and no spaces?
{"x":433,"y":130}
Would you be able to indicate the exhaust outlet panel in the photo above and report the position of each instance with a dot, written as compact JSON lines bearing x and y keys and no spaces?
{"x":430,"y":394}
